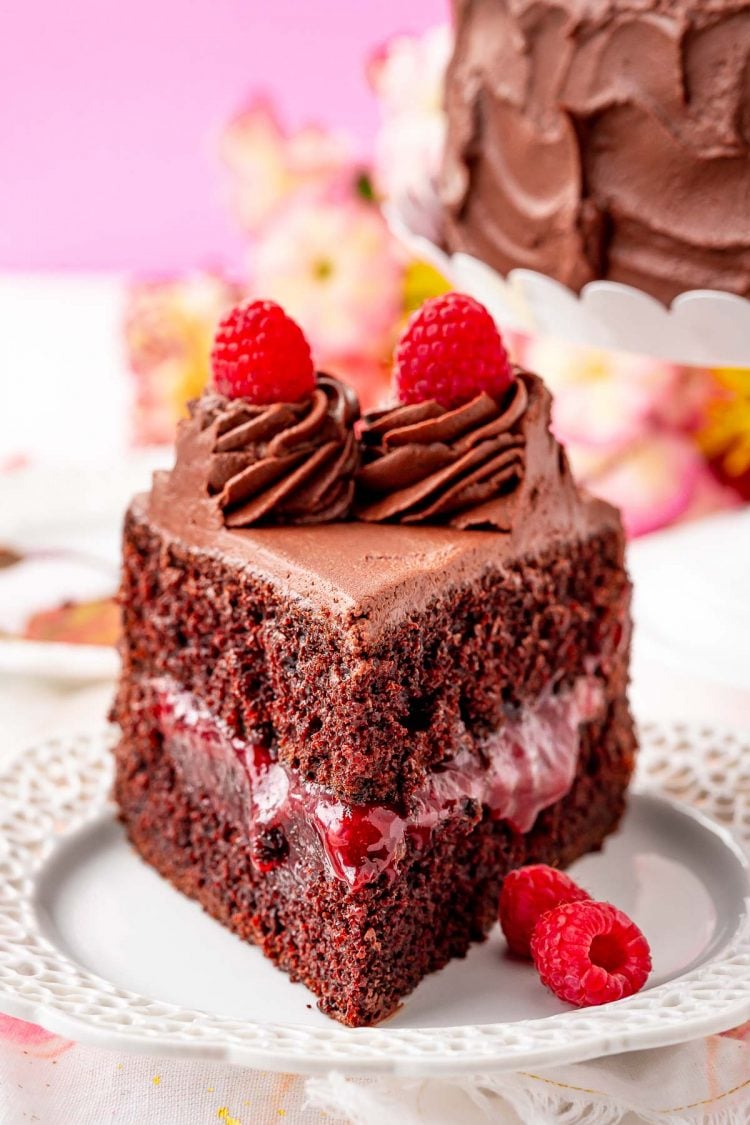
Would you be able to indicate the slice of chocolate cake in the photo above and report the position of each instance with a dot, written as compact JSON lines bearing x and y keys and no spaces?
{"x":339,"y":736}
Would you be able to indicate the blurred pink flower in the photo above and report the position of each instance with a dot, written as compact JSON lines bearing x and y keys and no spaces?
{"x":268,"y":164}
{"x":710,"y":496}
{"x":31,"y":1039}
{"x":686,"y":408}
{"x":169,"y":327}
{"x":336,"y":269}
{"x":601,"y":398}
{"x":653,"y":481}
{"x":407,"y":76}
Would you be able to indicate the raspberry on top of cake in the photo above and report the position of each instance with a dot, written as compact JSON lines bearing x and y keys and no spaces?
{"x":454,"y":449}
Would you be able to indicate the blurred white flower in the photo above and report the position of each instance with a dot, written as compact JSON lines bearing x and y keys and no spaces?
{"x":335,"y":268}
{"x":408,"y":76}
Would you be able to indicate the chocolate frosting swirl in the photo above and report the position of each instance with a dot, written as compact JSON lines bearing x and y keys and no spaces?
{"x":285,"y":463}
{"x":602,"y":139}
{"x":460,"y":467}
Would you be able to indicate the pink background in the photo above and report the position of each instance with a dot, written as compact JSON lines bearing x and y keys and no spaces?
{"x":109,"y":114}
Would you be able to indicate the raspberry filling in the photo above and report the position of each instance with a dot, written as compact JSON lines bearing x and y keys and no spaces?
{"x":521,"y":769}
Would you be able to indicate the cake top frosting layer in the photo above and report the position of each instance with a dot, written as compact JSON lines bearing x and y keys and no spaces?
{"x":602,"y":138}
{"x":367,"y":576}
{"x":370,"y":576}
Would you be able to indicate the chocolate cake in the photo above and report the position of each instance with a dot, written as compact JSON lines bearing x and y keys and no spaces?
{"x":602,"y":139}
{"x":341,"y":726}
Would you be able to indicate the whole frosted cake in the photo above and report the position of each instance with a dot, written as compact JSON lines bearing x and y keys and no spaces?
{"x":602,"y":139}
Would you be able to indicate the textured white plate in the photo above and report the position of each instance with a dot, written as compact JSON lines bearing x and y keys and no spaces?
{"x":95,"y":946}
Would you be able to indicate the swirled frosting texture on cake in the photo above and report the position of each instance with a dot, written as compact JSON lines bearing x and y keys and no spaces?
{"x":484,"y":466}
{"x":285,"y":463}
{"x":602,"y":138}
{"x":460,"y":467}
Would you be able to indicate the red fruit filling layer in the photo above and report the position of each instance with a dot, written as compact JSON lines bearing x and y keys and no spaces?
{"x":521,"y":769}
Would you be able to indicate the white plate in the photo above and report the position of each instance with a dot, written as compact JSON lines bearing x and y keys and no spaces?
{"x":69,"y":519}
{"x":95,"y":946}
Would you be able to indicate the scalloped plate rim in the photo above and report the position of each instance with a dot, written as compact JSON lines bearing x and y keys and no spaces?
{"x":686,"y":335}
{"x":461,"y":1057}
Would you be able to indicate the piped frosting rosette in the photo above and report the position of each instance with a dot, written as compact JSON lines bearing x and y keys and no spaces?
{"x":424,"y":463}
{"x":285,"y":462}
{"x":271,"y":442}
{"x":652,"y":403}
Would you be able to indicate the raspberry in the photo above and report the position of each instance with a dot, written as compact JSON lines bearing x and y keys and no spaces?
{"x":261,"y":354}
{"x":451,"y":351}
{"x":527,"y":893}
{"x":355,"y":832}
{"x":590,"y":953}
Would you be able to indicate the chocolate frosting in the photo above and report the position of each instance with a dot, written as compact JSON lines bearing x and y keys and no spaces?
{"x":371,"y":576}
{"x":461,"y":467}
{"x":602,"y":139}
{"x":286,"y":463}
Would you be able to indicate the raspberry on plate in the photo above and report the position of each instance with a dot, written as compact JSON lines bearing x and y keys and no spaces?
{"x":261,"y":354}
{"x":528,"y":892}
{"x":590,"y":953}
{"x":451,"y":351}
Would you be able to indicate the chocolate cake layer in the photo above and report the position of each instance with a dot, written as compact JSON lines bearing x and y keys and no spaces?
{"x":360,"y":949}
{"x":520,"y":770}
{"x":367,"y":710}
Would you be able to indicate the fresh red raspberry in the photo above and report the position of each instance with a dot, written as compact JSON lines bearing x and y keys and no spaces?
{"x":451,"y":351}
{"x":590,"y":953}
{"x":528,"y":892}
{"x":261,"y":354}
